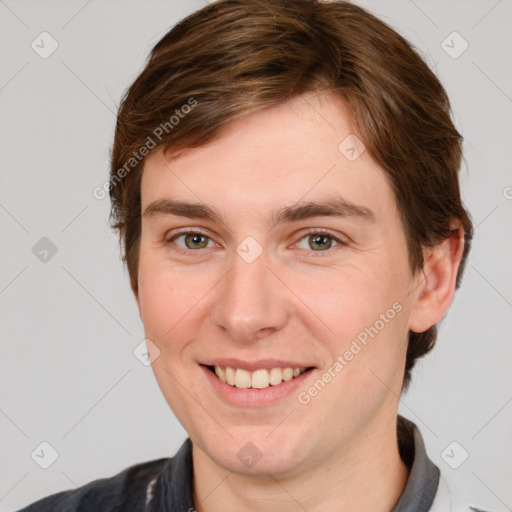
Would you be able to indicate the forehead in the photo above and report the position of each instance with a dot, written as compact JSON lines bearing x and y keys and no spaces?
{"x":306,"y":149}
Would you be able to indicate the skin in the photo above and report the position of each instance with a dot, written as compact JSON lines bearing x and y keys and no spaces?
{"x":295,"y":301}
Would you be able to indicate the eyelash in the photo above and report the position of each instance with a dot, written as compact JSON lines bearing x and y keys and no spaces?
{"x":309,"y":233}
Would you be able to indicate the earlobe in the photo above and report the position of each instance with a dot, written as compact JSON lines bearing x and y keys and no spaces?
{"x":435,"y":286}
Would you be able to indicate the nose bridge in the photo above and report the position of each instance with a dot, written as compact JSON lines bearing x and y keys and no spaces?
{"x":249,"y":303}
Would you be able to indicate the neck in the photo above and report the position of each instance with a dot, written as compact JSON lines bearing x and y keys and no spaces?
{"x":368,"y":476}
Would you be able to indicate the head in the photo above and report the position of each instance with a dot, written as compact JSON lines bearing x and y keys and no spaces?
{"x":262,"y":113}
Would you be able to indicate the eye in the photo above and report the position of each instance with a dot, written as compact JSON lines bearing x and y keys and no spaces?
{"x":192,"y":240}
{"x":314,"y":241}
{"x":320,"y":241}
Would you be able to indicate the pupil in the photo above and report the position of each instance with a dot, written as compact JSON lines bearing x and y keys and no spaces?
{"x":317,"y":240}
{"x":195,"y":239}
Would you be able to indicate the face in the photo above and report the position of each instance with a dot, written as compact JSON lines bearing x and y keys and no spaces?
{"x":255,"y":279}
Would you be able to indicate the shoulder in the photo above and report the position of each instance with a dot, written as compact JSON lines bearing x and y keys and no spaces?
{"x":447,"y":500}
{"x":126,"y":490}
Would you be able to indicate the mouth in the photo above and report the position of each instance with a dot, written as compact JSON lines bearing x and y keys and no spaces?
{"x":260,"y":378}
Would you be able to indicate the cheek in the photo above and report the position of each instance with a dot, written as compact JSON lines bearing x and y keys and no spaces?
{"x":365,"y":311}
{"x":353,"y":298}
{"x":168,"y":299}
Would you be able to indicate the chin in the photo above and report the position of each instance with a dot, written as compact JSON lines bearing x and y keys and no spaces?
{"x":261,"y":451}
{"x":250,"y":460}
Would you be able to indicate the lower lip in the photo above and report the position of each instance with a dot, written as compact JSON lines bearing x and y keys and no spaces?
{"x":255,"y":397}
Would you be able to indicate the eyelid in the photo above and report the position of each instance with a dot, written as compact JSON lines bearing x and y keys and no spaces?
{"x":184,"y":231}
{"x":342,"y":239}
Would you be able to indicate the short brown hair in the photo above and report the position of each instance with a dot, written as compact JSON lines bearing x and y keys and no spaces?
{"x":234,"y":57}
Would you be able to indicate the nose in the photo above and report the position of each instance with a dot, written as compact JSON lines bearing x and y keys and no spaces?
{"x":251,"y":301}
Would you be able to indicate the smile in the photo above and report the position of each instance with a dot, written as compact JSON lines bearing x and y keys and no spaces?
{"x":257,"y":379}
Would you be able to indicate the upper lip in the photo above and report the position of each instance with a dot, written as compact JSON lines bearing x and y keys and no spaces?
{"x":254,"y":365}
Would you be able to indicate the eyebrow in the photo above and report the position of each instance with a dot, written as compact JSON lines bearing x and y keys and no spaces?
{"x":332,"y":207}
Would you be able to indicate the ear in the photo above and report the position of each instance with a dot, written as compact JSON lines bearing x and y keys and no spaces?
{"x":434,"y":287}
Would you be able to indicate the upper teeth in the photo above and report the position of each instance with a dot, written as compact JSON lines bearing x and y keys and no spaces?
{"x":257,"y":379}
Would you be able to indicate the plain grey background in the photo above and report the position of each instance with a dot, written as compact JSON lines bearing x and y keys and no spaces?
{"x":69,"y":323}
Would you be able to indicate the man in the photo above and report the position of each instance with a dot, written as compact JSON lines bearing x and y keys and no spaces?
{"x":284,"y":182}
